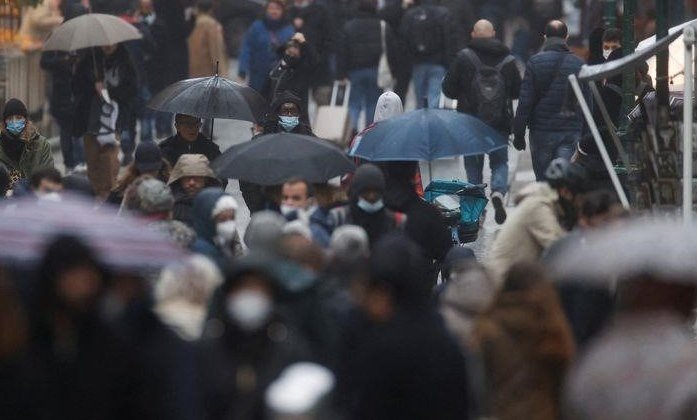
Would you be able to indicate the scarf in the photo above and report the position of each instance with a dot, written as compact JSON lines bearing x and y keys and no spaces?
{"x":12,"y":146}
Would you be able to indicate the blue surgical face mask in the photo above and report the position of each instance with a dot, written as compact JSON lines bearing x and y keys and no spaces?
{"x":288,"y":123}
{"x":15,"y":127}
{"x":369,"y":207}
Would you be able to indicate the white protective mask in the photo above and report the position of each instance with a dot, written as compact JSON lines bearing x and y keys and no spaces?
{"x":249,"y":309}
{"x":606,"y":53}
{"x":226,"y":230}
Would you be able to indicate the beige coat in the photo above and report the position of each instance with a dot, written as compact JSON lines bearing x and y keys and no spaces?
{"x":37,"y":24}
{"x":206,"y":47}
{"x":529,"y":230}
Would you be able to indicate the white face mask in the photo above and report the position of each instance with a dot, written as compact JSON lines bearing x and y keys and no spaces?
{"x":287,"y":210}
{"x":51,"y":196}
{"x":606,"y":53}
{"x":369,"y":207}
{"x":226,"y":230}
{"x":249,"y":309}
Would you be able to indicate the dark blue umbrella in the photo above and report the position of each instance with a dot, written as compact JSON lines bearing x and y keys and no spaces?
{"x":428,"y":134}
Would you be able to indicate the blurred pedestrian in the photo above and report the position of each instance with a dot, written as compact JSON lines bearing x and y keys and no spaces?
{"x":4,"y":181}
{"x":207,"y":52}
{"x":359,"y":48}
{"x":188,"y":140}
{"x":213,"y":216}
{"x":105,"y":76}
{"x":16,"y":401}
{"x":264,"y":231}
{"x":432,"y":40}
{"x":294,"y":71}
{"x":190,"y":175}
{"x":22,"y":149}
{"x":261,"y":42}
{"x":148,"y":160}
{"x":47,"y":183}
{"x":554,"y":128}
{"x":526,"y":316}
{"x":182,"y":293}
{"x":484,"y":78}
{"x":286,"y":116}
{"x":38,"y":21}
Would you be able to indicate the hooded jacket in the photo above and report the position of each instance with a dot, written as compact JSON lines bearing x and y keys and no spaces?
{"x":529,"y":230}
{"x":271,"y":124}
{"x":389,"y":105}
{"x":457,"y":83}
{"x":295,"y":77}
{"x":36,"y":154}
{"x":175,"y":146}
{"x":188,"y":165}
{"x":258,"y":51}
{"x":205,"y":226}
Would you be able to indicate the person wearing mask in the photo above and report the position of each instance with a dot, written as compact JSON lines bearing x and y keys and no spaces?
{"x":188,"y":140}
{"x":612,"y":40}
{"x":484,"y":78}
{"x":366,"y":207}
{"x":260,"y":44}
{"x":207,"y":53}
{"x":525,"y":315}
{"x":285,"y":116}
{"x":148,"y":160}
{"x":298,"y":203}
{"x":23,"y":150}
{"x":554,"y":128}
{"x":359,"y":48}
{"x":213,"y":215}
{"x":400,"y":336}
{"x":47,"y":183}
{"x":545,"y":212}
{"x":432,"y":40}
{"x":250,"y":345}
{"x":293,"y":72}
{"x":97,"y":119}
{"x":190,"y":175}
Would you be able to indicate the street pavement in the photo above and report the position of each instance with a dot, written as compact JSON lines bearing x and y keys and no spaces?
{"x":230,"y":132}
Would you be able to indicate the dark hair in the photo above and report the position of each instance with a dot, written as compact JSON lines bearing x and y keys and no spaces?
{"x":612,"y":35}
{"x":524,"y":276}
{"x":598,"y":202}
{"x":78,"y":184}
{"x":179,"y":117}
{"x":368,"y":6}
{"x":556,"y":29}
{"x":50,"y":174}
{"x":204,"y":5}
{"x":298,"y":180}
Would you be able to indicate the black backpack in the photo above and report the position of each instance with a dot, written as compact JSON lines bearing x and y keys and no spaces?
{"x":426,"y":31}
{"x":489,"y":90}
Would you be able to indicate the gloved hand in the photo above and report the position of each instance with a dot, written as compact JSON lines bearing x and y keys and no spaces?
{"x":519,"y":143}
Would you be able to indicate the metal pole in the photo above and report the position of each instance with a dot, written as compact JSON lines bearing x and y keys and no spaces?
{"x":610,"y":127}
{"x":598,"y":141}
{"x":662,"y":92}
{"x":689,"y":39}
{"x":629,"y":77}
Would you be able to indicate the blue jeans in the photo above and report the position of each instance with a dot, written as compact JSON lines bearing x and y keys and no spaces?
{"x":427,"y":84}
{"x":545,"y":146}
{"x":146,"y":116}
{"x":498,"y":162}
{"x":364,"y":94}
{"x":128,"y":142}
{"x":72,"y":148}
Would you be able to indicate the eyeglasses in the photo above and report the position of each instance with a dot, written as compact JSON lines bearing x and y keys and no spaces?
{"x":197,"y":124}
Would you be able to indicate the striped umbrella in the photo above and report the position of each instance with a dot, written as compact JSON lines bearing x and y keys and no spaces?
{"x":122,"y":243}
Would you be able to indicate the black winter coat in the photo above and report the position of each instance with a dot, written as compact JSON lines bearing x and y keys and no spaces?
{"x":170,"y":32}
{"x":320,"y":31}
{"x":360,"y":45}
{"x":296,"y":77}
{"x":61,"y":66}
{"x":444,"y":23}
{"x":173,"y":147}
{"x":457,"y":83}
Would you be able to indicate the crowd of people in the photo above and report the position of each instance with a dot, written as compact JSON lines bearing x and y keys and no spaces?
{"x":345,"y":299}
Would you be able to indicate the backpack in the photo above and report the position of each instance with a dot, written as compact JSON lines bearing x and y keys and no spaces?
{"x":426,"y":32}
{"x":489,"y":90}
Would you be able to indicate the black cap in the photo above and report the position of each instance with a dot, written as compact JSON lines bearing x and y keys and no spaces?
{"x":148,"y":157}
{"x":14,"y":107}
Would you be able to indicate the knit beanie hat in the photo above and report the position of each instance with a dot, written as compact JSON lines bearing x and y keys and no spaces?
{"x":14,"y":107}
{"x":367,"y":177}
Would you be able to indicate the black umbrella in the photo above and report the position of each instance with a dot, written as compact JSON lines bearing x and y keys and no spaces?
{"x":211,"y":97}
{"x":274,"y":158}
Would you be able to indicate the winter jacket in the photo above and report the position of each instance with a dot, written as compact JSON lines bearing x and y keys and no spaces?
{"x":457,"y":83}
{"x":360,"y":45}
{"x":320,"y":31}
{"x":122,"y":88}
{"x":531,"y":322}
{"x":205,"y":227}
{"x":36,"y":155}
{"x":450,"y":38}
{"x":207,"y":48}
{"x":170,"y":30}
{"x":188,"y":165}
{"x":61,"y":66}
{"x":528,"y":231}
{"x":295,"y":77}
{"x":173,"y":147}
{"x":271,"y":125}
{"x":544,"y":108}
{"x":258,"y":54}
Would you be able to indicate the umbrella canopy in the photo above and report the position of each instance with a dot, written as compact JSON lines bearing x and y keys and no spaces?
{"x":91,"y":30}
{"x":211,"y":97}
{"x":428,"y":134}
{"x":666,"y":250}
{"x":676,"y":56}
{"x":123,"y":243}
{"x":274,"y":158}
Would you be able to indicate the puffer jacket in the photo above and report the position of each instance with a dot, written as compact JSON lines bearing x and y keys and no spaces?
{"x":360,"y":44}
{"x":532,"y":228}
{"x":36,"y":155}
{"x":549,"y":110}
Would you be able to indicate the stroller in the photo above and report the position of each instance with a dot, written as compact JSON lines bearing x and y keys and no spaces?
{"x":461,"y":204}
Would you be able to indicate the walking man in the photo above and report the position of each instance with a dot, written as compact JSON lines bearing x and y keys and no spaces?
{"x":554,"y":128}
{"x":484,"y":79}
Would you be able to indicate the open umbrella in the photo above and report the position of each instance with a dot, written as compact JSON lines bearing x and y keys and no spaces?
{"x":664,"y":249}
{"x":428,"y":134}
{"x":123,"y":243}
{"x":274,"y":158}
{"x":676,"y":57}
{"x":91,"y":30}
{"x":211,"y":97}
